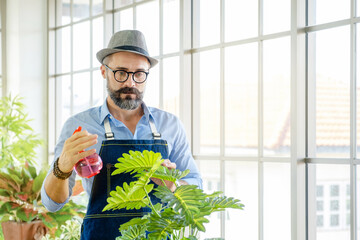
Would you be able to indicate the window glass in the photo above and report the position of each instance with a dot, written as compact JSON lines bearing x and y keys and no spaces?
{"x":276,"y":103}
{"x":122,"y":3}
{"x":332,"y":79}
{"x":277,"y":183}
{"x":171,"y":26}
{"x":241,"y":180}
{"x":207,"y":106}
{"x":277,"y":16}
{"x":241,"y":100}
{"x":241,"y":19}
{"x":81,"y":90}
{"x":63,"y":53}
{"x":63,"y":100}
{"x":81,"y":9}
{"x":98,"y":39}
{"x":171,"y":82}
{"x":123,"y":19}
{"x":147,"y":21}
{"x":63,"y":9}
{"x":319,"y":191}
{"x":97,"y":7}
{"x":324,"y":11}
{"x":81,"y":46}
{"x":334,"y":213}
{"x":211,"y":182}
{"x":98,"y":88}
{"x":208,"y":17}
{"x":319,"y":221}
{"x":152,"y":91}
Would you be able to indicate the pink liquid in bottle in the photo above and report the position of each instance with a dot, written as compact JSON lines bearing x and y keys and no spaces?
{"x":88,"y":166}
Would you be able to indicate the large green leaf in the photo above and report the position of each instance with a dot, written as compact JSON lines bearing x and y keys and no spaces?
{"x":133,"y":222}
{"x":170,"y":175}
{"x":220,"y":203}
{"x":136,"y":161}
{"x":133,"y":233}
{"x":125,"y":197}
{"x":186,"y":199}
{"x":38,"y":181}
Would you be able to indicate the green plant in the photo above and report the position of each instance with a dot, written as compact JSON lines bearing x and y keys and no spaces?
{"x":20,"y":180}
{"x":69,"y":231}
{"x":17,"y":139}
{"x":185,"y":208}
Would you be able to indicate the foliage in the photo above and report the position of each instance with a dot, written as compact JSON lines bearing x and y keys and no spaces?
{"x":20,"y":181}
{"x":17,"y":140}
{"x":69,"y":231}
{"x":186,"y":207}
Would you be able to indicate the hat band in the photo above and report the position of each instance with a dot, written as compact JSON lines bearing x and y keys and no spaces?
{"x":132,"y":48}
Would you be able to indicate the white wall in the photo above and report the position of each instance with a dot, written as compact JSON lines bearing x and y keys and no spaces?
{"x":26,"y":60}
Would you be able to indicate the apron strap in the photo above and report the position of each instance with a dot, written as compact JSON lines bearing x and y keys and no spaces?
{"x":156,"y":135}
{"x":109,"y":135}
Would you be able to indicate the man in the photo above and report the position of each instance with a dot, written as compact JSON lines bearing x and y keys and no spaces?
{"x":121,"y":124}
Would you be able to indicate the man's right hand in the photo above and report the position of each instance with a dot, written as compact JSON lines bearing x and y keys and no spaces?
{"x":73,"y":150}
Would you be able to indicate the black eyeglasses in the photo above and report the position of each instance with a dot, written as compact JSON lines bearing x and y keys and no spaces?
{"x":122,"y":75}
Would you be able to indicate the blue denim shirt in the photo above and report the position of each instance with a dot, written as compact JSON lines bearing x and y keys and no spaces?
{"x":92,"y":120}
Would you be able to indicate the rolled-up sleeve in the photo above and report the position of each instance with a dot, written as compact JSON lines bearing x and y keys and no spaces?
{"x":181,"y":155}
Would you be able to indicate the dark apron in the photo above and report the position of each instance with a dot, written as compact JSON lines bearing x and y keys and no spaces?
{"x":98,"y":225}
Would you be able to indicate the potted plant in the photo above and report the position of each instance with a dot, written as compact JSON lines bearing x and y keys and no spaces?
{"x":20,"y":181}
{"x":185,"y":208}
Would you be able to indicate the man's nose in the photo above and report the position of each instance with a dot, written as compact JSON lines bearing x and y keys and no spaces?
{"x":130,"y":81}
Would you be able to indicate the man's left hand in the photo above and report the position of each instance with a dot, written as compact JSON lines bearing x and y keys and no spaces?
{"x":170,"y":165}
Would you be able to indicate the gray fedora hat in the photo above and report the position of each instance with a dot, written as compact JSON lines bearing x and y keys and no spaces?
{"x":126,"y":41}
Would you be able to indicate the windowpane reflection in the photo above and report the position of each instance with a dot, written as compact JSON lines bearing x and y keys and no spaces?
{"x":152,"y":91}
{"x":277,"y":16}
{"x":98,"y":39}
{"x":332,"y":77}
{"x":208,"y":14}
{"x":332,"y":205}
{"x":276,"y":110}
{"x":81,"y":91}
{"x":241,"y":180}
{"x":208,"y":109}
{"x":171,"y":26}
{"x":63,"y":50}
{"x":171,"y":82}
{"x":277,"y":196}
{"x":124,"y":20}
{"x":81,"y":46}
{"x":122,"y":3}
{"x":98,"y":89}
{"x":147,"y":20}
{"x":97,"y":7}
{"x":210,"y":173}
{"x":241,"y":100}
{"x":63,"y":99}
{"x":81,"y":9}
{"x":325,"y":11}
{"x":63,"y":9}
{"x":241,"y":19}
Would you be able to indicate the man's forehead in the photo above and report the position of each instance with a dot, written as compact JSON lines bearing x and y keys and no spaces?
{"x":127,"y":57}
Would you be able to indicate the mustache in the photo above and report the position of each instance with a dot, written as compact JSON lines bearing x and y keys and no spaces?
{"x":128,"y":90}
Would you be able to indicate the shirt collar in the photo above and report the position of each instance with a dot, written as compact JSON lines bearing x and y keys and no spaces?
{"x":104,"y":112}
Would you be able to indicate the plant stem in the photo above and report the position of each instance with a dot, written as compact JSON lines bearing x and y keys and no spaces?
{"x":151,"y":205}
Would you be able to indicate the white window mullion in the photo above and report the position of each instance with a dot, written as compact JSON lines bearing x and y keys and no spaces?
{"x":353,"y":126}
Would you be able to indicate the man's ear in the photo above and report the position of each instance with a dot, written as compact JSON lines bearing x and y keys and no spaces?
{"x":103,"y":71}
